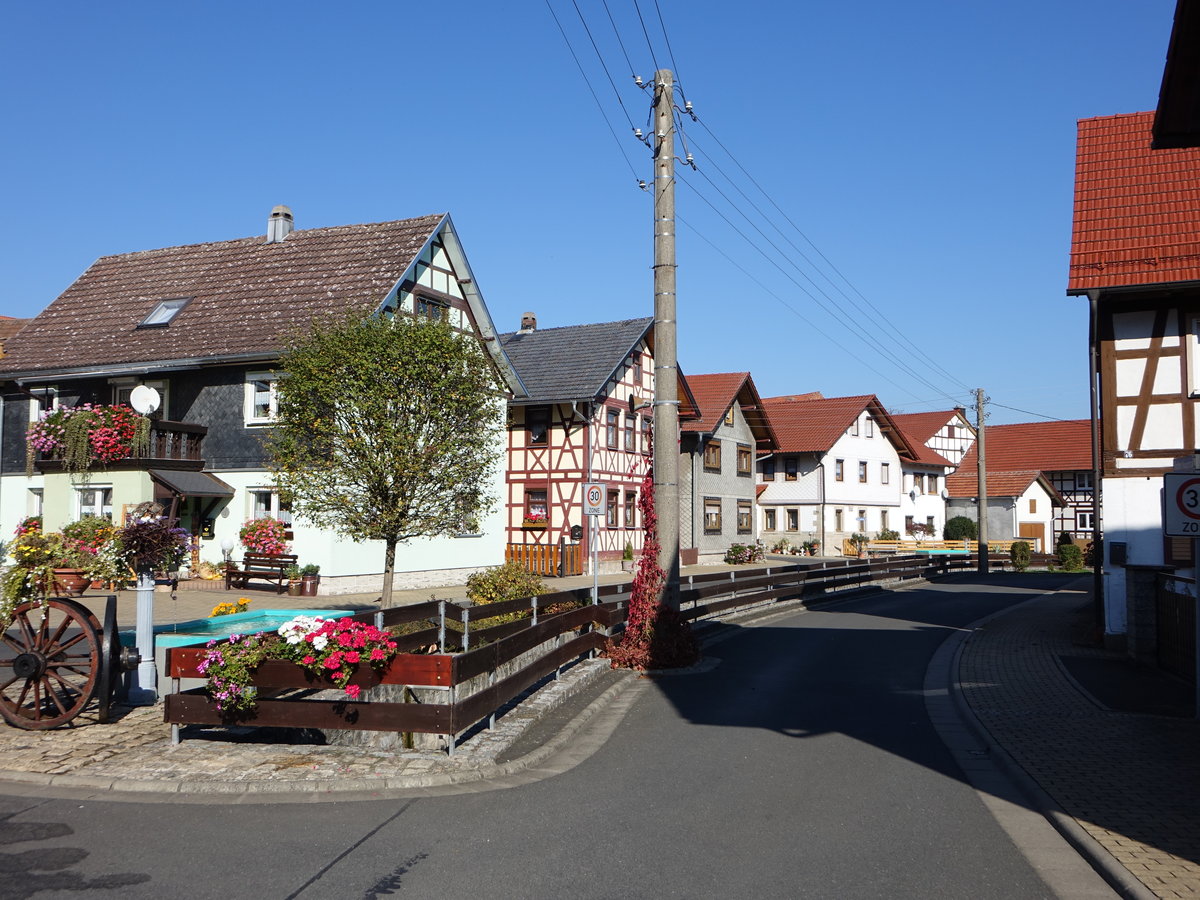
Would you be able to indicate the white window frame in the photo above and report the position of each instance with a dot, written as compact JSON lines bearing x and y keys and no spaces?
{"x":35,"y":502}
{"x":248,"y":409}
{"x":273,"y":508}
{"x":45,"y":400}
{"x":104,"y":510}
{"x":126,"y":385}
{"x":1193,"y":358}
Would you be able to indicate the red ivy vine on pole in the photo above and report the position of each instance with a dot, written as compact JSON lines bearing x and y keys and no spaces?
{"x":656,"y":636}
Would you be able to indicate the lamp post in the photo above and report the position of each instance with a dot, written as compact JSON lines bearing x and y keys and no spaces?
{"x":145,"y":400}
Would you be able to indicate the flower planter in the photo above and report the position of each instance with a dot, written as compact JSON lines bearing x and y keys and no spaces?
{"x":70,"y":582}
{"x":294,"y":587}
{"x":308,"y":585}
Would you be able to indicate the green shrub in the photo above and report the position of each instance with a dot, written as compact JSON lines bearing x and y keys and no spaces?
{"x":1070,"y":557}
{"x":1019,"y":553}
{"x":960,"y":528}
{"x":510,"y":581}
{"x":888,"y":535}
{"x":1064,"y":537}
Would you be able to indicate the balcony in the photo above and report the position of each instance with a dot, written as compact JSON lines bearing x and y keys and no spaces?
{"x":173,"y":445}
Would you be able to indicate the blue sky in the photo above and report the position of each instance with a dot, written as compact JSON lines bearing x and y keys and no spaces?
{"x":925,"y":149}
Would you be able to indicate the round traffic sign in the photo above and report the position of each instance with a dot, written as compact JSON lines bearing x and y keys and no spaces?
{"x":1187,"y":498}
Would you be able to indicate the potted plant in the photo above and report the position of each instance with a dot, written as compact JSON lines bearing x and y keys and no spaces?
{"x":152,"y":544}
{"x":859,"y":542}
{"x":294,"y":584}
{"x":92,"y":536}
{"x":310,"y":579}
{"x":87,"y":434}
{"x":627,"y":558}
{"x":265,"y":535}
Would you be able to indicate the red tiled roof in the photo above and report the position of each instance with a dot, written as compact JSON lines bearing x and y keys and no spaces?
{"x":10,"y":326}
{"x":715,"y":394}
{"x":963,"y":485}
{"x":1040,"y":446}
{"x":1137,"y":210}
{"x":924,"y":425}
{"x":246,"y":296}
{"x":814,"y":425}
{"x":923,"y":455}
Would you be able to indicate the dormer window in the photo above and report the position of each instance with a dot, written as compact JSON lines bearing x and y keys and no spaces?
{"x":164,"y":312}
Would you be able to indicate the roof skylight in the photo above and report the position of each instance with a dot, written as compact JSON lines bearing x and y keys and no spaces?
{"x":164,"y":312}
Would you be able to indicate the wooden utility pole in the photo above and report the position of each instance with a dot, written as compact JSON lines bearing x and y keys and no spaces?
{"x":666,"y":379}
{"x":980,"y":416}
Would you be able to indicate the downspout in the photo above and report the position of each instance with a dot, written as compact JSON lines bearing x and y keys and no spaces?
{"x":821,"y":507}
{"x":1097,"y":458}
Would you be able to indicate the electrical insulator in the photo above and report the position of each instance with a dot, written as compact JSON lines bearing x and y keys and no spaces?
{"x":637,"y":79}
{"x":687,"y":105}
{"x":689,"y":160}
{"x":637,"y":133}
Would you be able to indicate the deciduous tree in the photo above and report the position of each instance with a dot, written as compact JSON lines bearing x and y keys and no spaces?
{"x":387,"y":429}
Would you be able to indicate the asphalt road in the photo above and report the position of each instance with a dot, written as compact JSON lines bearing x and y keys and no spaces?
{"x":800,"y":764}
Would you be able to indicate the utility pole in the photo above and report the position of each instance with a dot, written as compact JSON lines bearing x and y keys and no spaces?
{"x":980,"y":416}
{"x":666,"y":378}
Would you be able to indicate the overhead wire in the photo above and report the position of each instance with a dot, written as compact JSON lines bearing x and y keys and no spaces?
{"x":646,"y":33}
{"x":616,"y":31}
{"x":592,"y":91}
{"x":603,"y":64}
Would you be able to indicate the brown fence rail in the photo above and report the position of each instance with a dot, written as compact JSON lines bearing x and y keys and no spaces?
{"x":480,"y":678}
{"x":547,"y":559}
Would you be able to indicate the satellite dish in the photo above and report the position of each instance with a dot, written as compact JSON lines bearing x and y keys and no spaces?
{"x":144,"y":399}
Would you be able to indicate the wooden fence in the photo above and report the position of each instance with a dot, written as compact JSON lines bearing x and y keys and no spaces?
{"x":554,"y":560}
{"x":1175,"y":625}
{"x":476,"y":680}
{"x":972,"y":547}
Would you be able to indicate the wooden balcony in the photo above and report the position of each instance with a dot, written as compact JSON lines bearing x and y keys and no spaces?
{"x":173,"y":445}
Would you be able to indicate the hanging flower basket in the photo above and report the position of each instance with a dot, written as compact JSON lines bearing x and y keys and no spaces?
{"x":88,"y":435}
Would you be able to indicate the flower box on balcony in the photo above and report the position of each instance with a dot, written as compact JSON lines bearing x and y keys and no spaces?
{"x":534,"y":522}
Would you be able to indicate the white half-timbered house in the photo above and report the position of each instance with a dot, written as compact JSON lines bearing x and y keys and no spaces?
{"x":1134,"y":256}
{"x":586,"y":417}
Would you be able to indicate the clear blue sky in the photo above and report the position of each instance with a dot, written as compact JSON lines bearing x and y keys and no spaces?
{"x":926,"y":149}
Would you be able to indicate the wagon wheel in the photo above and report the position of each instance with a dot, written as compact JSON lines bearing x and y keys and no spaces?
{"x":110,"y":660}
{"x":49,"y":663}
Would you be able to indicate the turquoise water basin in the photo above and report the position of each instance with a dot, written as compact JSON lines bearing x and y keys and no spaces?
{"x":201,"y":631}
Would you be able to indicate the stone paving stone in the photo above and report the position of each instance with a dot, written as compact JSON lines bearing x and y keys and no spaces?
{"x":134,"y":752}
{"x":1130,"y":780}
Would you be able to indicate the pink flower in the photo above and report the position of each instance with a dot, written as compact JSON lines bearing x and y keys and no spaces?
{"x":352,"y":657}
{"x":376,"y":654}
{"x":309,"y":660}
{"x":353,"y":690}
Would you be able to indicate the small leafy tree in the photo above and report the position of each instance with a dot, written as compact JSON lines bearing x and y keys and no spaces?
{"x":387,"y":429}
{"x":1019,"y":553}
{"x":960,"y":528}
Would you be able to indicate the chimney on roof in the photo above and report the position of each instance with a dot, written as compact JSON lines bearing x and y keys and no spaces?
{"x":279,"y":224}
{"x":528,"y":323}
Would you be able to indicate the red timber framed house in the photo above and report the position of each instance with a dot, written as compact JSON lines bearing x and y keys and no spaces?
{"x":720,"y":439}
{"x":1135,"y":255}
{"x":586,"y":418}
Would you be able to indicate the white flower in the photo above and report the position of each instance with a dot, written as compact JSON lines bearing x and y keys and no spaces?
{"x":319,"y":642}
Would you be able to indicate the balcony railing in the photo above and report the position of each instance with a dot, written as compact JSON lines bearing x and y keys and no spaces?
{"x":173,"y":445}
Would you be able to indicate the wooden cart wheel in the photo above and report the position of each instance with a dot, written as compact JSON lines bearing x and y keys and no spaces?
{"x":49,"y":663}
{"x":110,"y":660}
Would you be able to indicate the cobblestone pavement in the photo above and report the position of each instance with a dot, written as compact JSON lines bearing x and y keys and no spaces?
{"x":1131,"y":781}
{"x":134,"y":752}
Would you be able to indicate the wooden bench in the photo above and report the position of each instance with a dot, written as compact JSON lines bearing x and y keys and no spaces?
{"x":262,"y":566}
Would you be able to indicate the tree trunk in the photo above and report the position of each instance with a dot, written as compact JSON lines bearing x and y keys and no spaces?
{"x":389,"y":570}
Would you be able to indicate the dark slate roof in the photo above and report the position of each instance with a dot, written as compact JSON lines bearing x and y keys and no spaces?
{"x":574,"y":362}
{"x":246,"y":296}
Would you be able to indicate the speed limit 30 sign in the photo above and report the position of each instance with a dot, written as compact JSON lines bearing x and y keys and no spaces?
{"x":1181,"y":505}
{"x":593,"y":499}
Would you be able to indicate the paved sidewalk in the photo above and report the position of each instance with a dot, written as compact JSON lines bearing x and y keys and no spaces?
{"x":1131,"y":781}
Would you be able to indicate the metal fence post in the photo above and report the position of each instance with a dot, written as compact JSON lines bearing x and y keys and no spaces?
{"x":466,"y":623}
{"x":441,"y":626}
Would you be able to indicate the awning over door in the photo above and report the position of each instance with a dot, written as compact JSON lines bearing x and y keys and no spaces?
{"x":191,"y":484}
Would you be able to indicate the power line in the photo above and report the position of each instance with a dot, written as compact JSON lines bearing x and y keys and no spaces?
{"x":645,"y":32}
{"x":847,"y":322}
{"x":782,"y":302}
{"x":628,"y":61}
{"x":603,"y":64}
{"x":1029,"y":413}
{"x":588,"y":82}
{"x":670,"y":52}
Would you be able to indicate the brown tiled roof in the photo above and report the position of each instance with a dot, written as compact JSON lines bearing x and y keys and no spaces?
{"x":814,"y":425}
{"x":963,"y":484}
{"x":715,"y":394}
{"x":1041,"y":446}
{"x":9,"y":327}
{"x":924,"y":425}
{"x":246,"y":295}
{"x":1137,"y":210}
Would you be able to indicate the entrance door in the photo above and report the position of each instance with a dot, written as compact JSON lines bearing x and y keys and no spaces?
{"x":1033,"y":530}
